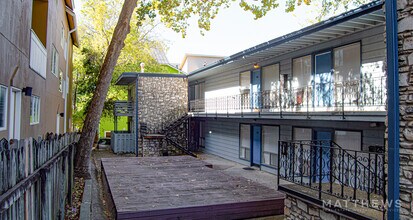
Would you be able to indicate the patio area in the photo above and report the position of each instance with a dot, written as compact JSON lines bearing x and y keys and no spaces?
{"x":188,"y":188}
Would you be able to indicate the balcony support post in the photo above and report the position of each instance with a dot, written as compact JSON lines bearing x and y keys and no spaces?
{"x":393,"y":109}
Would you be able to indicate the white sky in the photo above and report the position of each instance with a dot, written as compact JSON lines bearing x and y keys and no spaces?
{"x":232,"y":31}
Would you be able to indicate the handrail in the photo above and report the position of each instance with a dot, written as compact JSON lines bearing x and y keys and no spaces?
{"x":362,"y":95}
{"x":322,"y":164}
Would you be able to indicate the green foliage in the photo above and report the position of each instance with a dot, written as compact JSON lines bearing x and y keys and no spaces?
{"x":97,"y":23}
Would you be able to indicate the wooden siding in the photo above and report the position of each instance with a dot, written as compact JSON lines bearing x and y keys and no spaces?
{"x":222,"y":139}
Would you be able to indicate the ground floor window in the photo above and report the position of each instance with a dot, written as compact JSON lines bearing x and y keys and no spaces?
{"x":348,"y":140}
{"x":3,"y":107}
{"x":34,"y":110}
{"x":270,"y":138}
{"x":245,"y":142}
{"x":302,"y":134}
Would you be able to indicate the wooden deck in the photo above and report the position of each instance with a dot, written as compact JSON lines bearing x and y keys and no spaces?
{"x":183,"y":188}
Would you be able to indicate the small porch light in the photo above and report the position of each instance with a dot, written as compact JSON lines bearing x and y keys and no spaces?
{"x":27,"y":91}
{"x":256,"y":66}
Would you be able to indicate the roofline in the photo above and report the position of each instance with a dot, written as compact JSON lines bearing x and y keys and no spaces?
{"x":138,"y":74}
{"x":72,"y":22}
{"x":364,"y":9}
{"x":181,"y":65}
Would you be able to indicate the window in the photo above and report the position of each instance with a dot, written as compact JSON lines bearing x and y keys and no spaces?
{"x":61,"y":81}
{"x":62,"y":37}
{"x":55,"y":61}
{"x":348,"y":140}
{"x":34,"y":110}
{"x":270,"y":137}
{"x":244,"y":82}
{"x":270,"y":77}
{"x":245,"y":142}
{"x":302,"y":134}
{"x":347,"y":63}
{"x":3,"y":107}
{"x":302,"y":71}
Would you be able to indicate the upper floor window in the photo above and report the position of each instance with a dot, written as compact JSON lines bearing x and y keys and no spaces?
{"x":55,"y":61}
{"x":34,"y":110}
{"x":270,"y":77}
{"x":39,"y":19}
{"x":3,"y":107}
{"x":347,"y":63}
{"x":245,"y":81}
{"x":302,"y":71}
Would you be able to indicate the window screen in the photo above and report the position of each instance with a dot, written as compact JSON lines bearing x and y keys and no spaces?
{"x":349,"y":140}
{"x":245,"y":142}
{"x":347,"y":63}
{"x":270,"y":137}
{"x":245,"y":81}
{"x":34,"y":110}
{"x":302,"y":134}
{"x":270,"y":77}
{"x":302,"y":71}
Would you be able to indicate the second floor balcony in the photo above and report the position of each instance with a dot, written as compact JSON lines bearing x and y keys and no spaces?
{"x":340,"y":99}
{"x":38,"y":55}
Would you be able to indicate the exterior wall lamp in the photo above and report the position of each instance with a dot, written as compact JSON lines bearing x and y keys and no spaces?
{"x":27,"y":91}
{"x":256,"y":66}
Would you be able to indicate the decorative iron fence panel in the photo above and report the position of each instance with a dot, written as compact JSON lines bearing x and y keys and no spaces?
{"x":324,"y":166}
{"x":36,"y":176}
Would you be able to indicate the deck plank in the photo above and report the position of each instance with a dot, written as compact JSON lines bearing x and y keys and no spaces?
{"x":184,"y":187}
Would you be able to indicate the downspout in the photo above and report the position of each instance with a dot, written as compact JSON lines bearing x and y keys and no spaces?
{"x":67,"y":69}
{"x":392,"y":109}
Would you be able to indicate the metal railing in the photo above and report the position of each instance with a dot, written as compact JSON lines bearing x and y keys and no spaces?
{"x":38,"y":55}
{"x":324,"y":166}
{"x":36,"y":176}
{"x":123,"y":108}
{"x":360,"y":95}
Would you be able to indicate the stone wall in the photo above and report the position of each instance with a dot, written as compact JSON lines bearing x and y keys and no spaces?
{"x":405,"y":29}
{"x":161,"y":101}
{"x":297,"y":209}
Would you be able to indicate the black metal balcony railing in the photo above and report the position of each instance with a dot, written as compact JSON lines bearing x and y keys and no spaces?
{"x":327,"y":168}
{"x":360,"y":95}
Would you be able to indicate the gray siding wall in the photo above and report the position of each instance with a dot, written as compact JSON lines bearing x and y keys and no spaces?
{"x":373,"y":49}
{"x":222,"y":139}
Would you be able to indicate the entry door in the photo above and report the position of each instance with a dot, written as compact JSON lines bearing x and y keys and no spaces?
{"x":15,"y":113}
{"x":323,"y":80}
{"x":256,"y":145}
{"x":57,"y":124}
{"x":323,"y":138}
{"x":256,"y":89}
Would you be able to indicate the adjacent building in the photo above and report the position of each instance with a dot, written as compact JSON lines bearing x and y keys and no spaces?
{"x":308,"y":106}
{"x":36,"y":41}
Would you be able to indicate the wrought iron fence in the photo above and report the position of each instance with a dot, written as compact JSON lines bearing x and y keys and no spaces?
{"x":324,"y":166}
{"x":36,"y":176}
{"x":360,"y":95}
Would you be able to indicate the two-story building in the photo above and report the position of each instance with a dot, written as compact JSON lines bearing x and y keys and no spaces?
{"x":36,"y":47}
{"x":308,"y":106}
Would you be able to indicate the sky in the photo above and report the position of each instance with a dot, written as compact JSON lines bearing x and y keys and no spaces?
{"x":232,"y":31}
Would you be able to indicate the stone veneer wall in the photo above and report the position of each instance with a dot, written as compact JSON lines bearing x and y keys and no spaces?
{"x":161,"y":101}
{"x":297,"y":209}
{"x":405,"y":29}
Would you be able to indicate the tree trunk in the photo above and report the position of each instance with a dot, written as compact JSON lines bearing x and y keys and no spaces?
{"x":105,"y":77}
